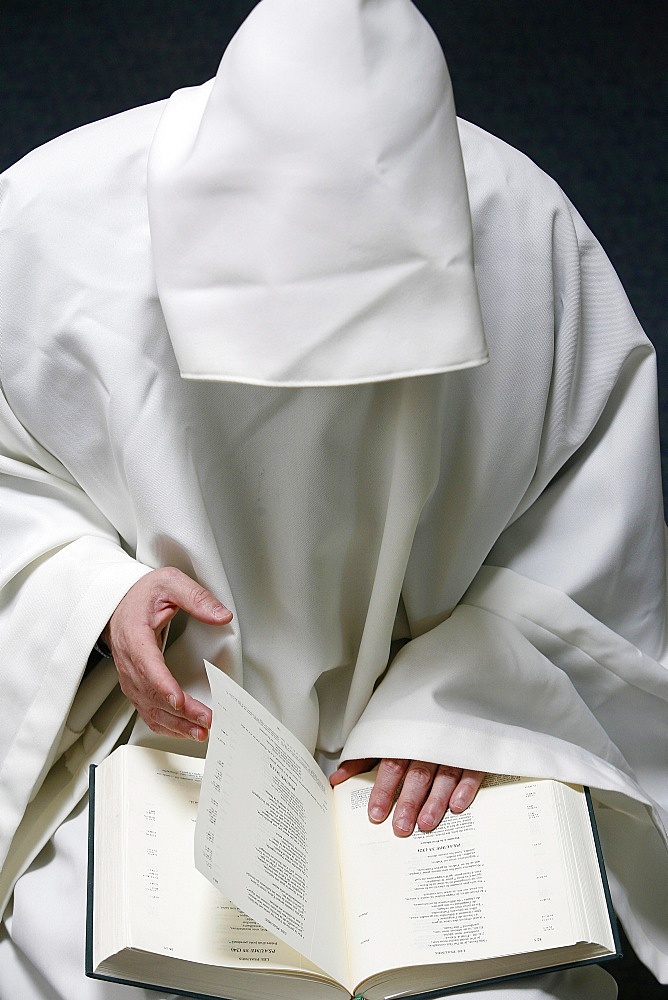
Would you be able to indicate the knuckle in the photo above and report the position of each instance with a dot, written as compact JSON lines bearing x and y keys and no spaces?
{"x":152,"y":716}
{"x":167,"y":575}
{"x":199,"y":596}
{"x":454,"y":773}
{"x":394,"y":767}
{"x":162,"y":583}
{"x":421,"y":774}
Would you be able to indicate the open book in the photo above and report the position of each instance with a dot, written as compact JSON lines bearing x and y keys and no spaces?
{"x":248,"y":877}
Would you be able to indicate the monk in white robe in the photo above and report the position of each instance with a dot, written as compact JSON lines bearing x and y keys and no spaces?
{"x":242,"y":360}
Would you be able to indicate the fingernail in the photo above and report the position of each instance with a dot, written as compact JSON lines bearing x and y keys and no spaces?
{"x":220,"y":611}
{"x":401,"y":822}
{"x":195,"y":734}
{"x":203,"y":721}
{"x":172,"y":700}
{"x":377,"y":814}
{"x":458,"y":803}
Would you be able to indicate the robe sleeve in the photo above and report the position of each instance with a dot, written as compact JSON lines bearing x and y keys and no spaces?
{"x":63,"y":566}
{"x":553,"y":663}
{"x":72,"y":236}
{"x":579,"y":567}
{"x":63,"y":570}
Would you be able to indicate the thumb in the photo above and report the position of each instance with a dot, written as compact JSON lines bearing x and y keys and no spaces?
{"x":174,"y":590}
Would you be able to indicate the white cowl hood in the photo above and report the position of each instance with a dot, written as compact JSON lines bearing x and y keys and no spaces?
{"x":308,"y":207}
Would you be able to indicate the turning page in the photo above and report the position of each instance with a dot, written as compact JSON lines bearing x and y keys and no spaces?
{"x":170,"y":908}
{"x":270,"y":848}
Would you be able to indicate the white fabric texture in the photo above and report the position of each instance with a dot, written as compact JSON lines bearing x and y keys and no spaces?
{"x":505,"y":521}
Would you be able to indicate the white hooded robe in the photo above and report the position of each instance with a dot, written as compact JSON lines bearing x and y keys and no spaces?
{"x":504,"y":522}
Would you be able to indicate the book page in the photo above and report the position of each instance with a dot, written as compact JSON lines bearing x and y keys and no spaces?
{"x":490,"y":881}
{"x":265,"y":830}
{"x":171,"y":908}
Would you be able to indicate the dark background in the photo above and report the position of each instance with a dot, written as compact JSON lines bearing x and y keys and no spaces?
{"x":578,"y":85}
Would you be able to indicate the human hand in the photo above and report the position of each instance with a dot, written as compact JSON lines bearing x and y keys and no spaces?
{"x":135,"y":634}
{"x":427,"y":790}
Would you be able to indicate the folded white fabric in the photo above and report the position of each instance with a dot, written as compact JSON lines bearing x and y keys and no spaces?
{"x":308,"y":208}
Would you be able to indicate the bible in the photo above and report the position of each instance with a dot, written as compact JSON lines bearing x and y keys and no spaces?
{"x":246,"y":876}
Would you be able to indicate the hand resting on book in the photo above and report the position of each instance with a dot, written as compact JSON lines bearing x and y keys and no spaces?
{"x":425,"y":791}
